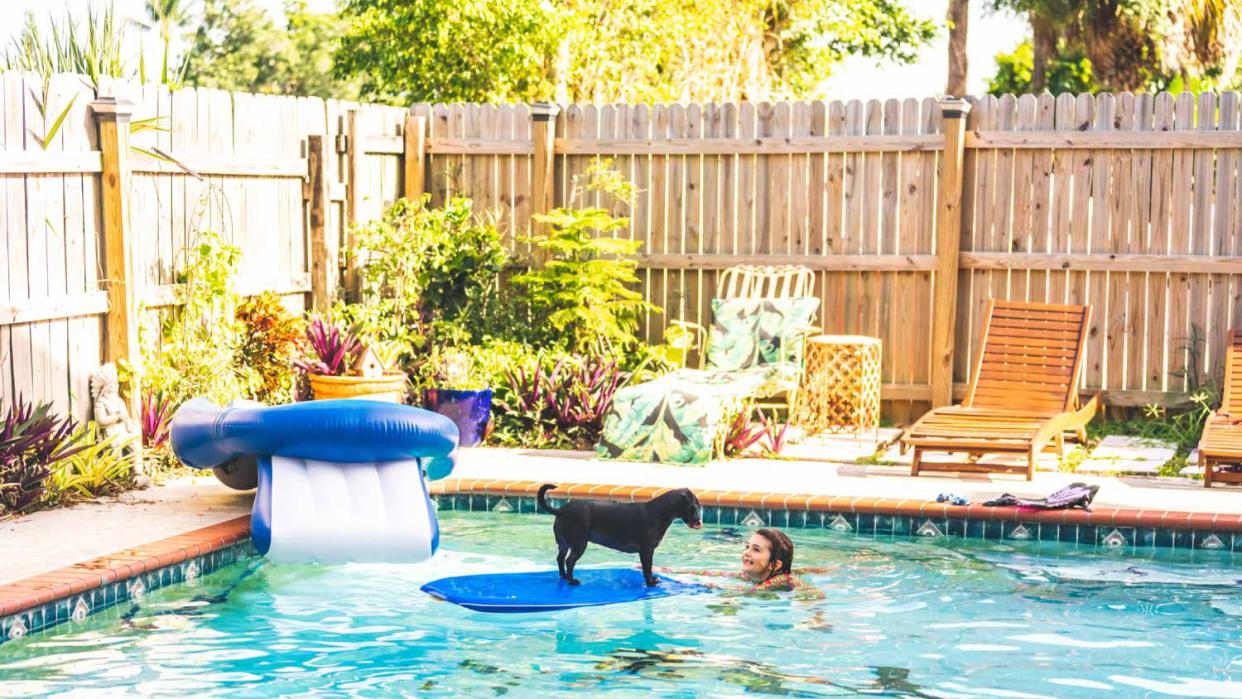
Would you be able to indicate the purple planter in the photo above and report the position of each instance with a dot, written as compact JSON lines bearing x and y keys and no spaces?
{"x":470,"y":410}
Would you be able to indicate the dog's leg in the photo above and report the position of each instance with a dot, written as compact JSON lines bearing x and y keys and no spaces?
{"x":562,"y":549}
{"x":574,"y":554}
{"x":645,"y":556}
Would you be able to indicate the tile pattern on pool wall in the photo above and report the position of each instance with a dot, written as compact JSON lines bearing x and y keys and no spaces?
{"x":78,"y":607}
{"x":1107,"y":536}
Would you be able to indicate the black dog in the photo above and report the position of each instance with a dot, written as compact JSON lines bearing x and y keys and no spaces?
{"x":621,"y":526}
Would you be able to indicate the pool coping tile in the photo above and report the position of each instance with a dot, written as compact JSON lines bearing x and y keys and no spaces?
{"x":1074,"y":519}
{"x":60,"y":584}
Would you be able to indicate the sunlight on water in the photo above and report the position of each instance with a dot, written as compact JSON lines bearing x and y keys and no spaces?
{"x":898,"y":617}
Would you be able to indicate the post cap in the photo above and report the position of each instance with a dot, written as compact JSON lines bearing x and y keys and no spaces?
{"x":112,"y":109}
{"x":544,"y":111}
{"x":954,"y":107}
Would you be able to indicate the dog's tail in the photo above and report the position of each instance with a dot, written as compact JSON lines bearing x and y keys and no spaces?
{"x":543,"y":503}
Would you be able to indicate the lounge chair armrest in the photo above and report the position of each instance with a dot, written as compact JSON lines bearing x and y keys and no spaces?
{"x":1067,"y":421}
{"x":1087,"y":411}
{"x":802,"y":334}
{"x":689,"y":325}
{"x":698,"y":339}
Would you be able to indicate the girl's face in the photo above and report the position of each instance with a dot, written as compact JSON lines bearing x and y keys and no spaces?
{"x":756,"y":557}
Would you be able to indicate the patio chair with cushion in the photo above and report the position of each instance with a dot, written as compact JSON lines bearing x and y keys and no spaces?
{"x":761,"y":318}
{"x":1023,"y":395}
{"x":1221,"y":443}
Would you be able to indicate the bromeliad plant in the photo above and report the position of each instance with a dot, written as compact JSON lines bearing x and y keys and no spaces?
{"x":32,"y":441}
{"x":563,"y":406}
{"x":336,"y":350}
{"x":743,"y":435}
{"x":157,"y":412}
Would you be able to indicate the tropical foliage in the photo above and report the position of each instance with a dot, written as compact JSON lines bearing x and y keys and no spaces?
{"x":237,"y":45}
{"x":33,"y":440}
{"x":197,"y":349}
{"x":271,"y":339}
{"x":1126,"y":45}
{"x":426,"y":271}
{"x":583,"y":292}
{"x":101,"y":467}
{"x":610,"y":50}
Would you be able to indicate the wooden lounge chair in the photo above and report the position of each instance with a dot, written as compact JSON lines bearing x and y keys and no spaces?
{"x":758,"y":282}
{"x":1221,"y":442}
{"x":1023,"y":394}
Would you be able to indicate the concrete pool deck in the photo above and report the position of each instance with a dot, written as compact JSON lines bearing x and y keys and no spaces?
{"x":826,"y":478}
{"x":52,"y":539}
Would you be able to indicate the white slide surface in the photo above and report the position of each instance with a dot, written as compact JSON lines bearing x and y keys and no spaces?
{"x":328,"y":512}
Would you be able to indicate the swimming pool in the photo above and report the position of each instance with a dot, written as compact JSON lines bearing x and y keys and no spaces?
{"x":900,"y":617}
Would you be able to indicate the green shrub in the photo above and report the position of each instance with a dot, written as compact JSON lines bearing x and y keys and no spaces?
{"x":1066,"y":72}
{"x":271,"y":339}
{"x":582,"y":294}
{"x":426,"y":273}
{"x":198,"y":349}
{"x":100,"y":468}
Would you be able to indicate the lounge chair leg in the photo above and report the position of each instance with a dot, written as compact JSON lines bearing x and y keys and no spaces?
{"x":1030,"y":464}
{"x":914,"y":464}
{"x":1207,"y":473}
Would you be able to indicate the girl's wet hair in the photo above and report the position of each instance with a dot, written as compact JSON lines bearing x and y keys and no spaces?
{"x":782,"y":551}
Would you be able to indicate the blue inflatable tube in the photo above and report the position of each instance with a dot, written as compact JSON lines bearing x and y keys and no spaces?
{"x":337,"y":480}
{"x":205,"y":435}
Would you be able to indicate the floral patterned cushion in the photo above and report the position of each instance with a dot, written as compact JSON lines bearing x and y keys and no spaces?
{"x":677,"y":418}
{"x":746,"y":333}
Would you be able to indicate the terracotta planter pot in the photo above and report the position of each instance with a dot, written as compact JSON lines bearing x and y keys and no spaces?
{"x":389,"y":388}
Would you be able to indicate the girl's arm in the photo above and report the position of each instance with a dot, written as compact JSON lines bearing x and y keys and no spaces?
{"x":717,"y":573}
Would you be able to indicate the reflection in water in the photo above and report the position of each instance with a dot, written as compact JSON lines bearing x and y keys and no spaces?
{"x":750,"y":675}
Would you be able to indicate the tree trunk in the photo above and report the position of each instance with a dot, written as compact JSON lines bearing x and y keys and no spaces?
{"x":959,"y":13}
{"x":1045,"y":48}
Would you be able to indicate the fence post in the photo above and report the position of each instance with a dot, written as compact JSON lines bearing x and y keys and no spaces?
{"x":322,"y":260}
{"x":415,"y":155}
{"x":543,"y":132}
{"x":948,"y":246}
{"x":353,"y":170}
{"x":121,"y":277}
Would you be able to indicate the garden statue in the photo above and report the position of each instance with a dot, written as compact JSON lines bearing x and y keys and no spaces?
{"x":112,"y":417}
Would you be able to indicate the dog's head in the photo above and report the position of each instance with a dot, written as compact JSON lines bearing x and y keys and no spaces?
{"x":688,"y":508}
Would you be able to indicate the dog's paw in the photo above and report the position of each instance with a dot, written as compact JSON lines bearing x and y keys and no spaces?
{"x":652,"y":582}
{"x":575,"y":581}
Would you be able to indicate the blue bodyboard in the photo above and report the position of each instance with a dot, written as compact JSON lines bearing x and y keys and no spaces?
{"x":544,"y":591}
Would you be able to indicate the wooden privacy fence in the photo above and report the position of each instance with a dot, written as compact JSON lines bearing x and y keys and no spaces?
{"x":1127,"y":202}
{"x":912,"y":213}
{"x":92,"y":229}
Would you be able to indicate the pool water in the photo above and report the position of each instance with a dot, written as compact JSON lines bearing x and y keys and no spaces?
{"x":899,"y":617}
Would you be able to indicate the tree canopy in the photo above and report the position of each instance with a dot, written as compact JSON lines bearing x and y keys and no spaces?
{"x":1125,"y":44}
{"x":614,"y":50}
{"x":237,"y":45}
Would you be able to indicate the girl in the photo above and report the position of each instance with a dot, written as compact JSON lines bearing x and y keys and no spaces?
{"x":767,"y":564}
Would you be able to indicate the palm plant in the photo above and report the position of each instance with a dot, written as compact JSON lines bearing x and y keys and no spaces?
{"x":168,"y":14}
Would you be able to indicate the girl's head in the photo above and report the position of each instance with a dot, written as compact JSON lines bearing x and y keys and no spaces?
{"x":768,"y":553}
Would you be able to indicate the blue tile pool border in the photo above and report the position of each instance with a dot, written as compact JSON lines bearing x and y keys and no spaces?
{"x":1108,"y":536}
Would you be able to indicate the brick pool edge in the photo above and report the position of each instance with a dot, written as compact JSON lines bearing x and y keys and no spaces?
{"x":1122,"y":528}
{"x":74,"y":592}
